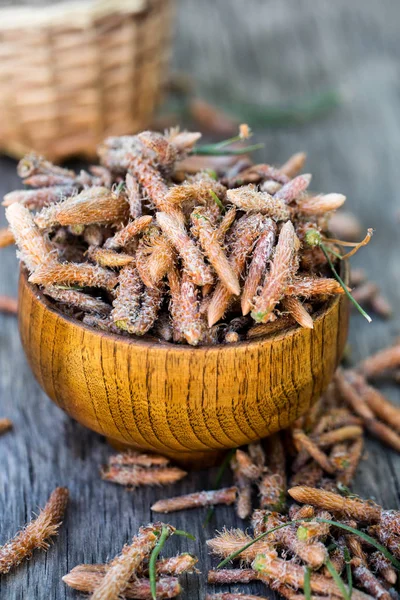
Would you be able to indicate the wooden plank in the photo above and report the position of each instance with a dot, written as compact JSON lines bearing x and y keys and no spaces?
{"x":267,"y":52}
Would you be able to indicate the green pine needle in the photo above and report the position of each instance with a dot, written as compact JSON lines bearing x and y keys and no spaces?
{"x":165,"y":532}
{"x":344,"y":286}
{"x":349,"y":573}
{"x":307,"y":583}
{"x":217,"y":200}
{"x":217,"y":150}
{"x":337,"y":579}
{"x":184,"y":534}
{"x":164,"y":535}
{"x":339,"y":256}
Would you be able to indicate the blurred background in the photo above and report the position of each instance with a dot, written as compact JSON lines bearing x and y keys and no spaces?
{"x":306,"y":75}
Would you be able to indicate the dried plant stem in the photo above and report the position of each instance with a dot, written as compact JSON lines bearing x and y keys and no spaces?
{"x":208,"y":238}
{"x":301,"y":512}
{"x":126,"y":305}
{"x":248,"y":468}
{"x":71,"y":274}
{"x":124,"y":566}
{"x":337,"y":560}
{"x":249,"y":199}
{"x":291,"y":594}
{"x":242,"y":237}
{"x":261,"y":255}
{"x":263,"y":329}
{"x":380,"y":406}
{"x":150,"y":305}
{"x":225,"y":224}
{"x":294,"y":164}
{"x":356,"y":509}
{"x":296,"y":309}
{"x":365,"y":292}
{"x":368,"y":581}
{"x":93,"y":205}
{"x":229,"y":541}
{"x":87,"y":581}
{"x":381,"y":306}
{"x":176,"y":565}
{"x":359,"y":245}
{"x":154,"y":257}
{"x":291,"y":574}
{"x":8,"y":305}
{"x":125,"y":235}
{"x":282,"y":268}
{"x":152,"y":183}
{"x":243,"y":501}
{"x":386,"y":359}
{"x":197,"y":189}
{"x":164,"y":153}
{"x":109,"y":258}
{"x":191,"y":256}
{"x":357,"y":403}
{"x":78,"y":300}
{"x":257,"y":453}
{"x":139,"y":459}
{"x":134,"y":196}
{"x":33,"y":164}
{"x":135,"y":476}
{"x":334,"y":418}
{"x":212,"y":498}
{"x":222,"y":576}
{"x":36,"y":533}
{"x":291,"y":190}
{"x":93,"y":235}
{"x":174,"y":282}
{"x":188,"y":320}
{"x":310,"y":287}
{"x":390,"y":541}
{"x":348,"y":432}
{"x":339,"y":457}
{"x":319,"y":205}
{"x":306,"y":443}
{"x":38,"y":198}
{"x":272,"y":486}
{"x":5,"y":425}
{"x":6,"y":238}
{"x":354,"y":457}
{"x":33,"y":246}
{"x":312,"y":553}
{"x":383,"y":567}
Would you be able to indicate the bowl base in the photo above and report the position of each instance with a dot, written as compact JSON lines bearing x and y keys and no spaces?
{"x":190,"y":460}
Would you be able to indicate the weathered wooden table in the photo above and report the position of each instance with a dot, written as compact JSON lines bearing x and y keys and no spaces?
{"x":265,"y":52}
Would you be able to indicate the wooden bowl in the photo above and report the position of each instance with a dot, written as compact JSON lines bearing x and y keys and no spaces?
{"x":187,"y":403}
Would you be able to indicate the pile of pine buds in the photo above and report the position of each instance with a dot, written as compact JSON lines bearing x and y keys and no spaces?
{"x":151,"y":242}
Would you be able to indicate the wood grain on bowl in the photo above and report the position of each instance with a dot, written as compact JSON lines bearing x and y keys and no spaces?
{"x":181,"y":401}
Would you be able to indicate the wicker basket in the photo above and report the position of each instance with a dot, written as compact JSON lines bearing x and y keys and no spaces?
{"x":74,"y":72}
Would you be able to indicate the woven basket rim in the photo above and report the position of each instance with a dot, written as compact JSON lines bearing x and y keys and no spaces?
{"x":83,"y":13}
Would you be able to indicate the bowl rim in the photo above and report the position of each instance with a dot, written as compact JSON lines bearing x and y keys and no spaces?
{"x":152,"y":343}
